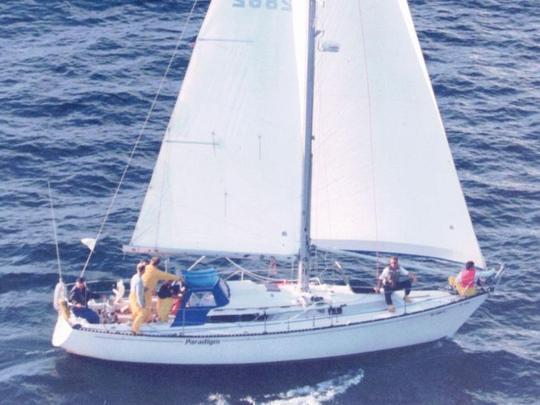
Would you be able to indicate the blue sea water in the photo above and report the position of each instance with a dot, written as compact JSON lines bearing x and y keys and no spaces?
{"x":76,"y":81}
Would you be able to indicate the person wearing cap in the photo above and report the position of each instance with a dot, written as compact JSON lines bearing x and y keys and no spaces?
{"x":390,"y":281}
{"x":466,"y":280}
{"x":78,"y":297}
{"x":137,"y":299}
{"x":152,"y":275}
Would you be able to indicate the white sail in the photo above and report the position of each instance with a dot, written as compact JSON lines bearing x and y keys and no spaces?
{"x":228,"y":176}
{"x":383,"y":176}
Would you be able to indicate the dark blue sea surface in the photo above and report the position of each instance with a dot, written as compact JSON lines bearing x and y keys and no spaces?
{"x":77,"y":79}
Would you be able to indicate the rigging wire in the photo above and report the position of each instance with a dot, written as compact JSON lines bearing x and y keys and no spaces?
{"x":54,"y":232}
{"x":139,"y":137}
{"x":200,"y":259}
{"x":377,"y":250}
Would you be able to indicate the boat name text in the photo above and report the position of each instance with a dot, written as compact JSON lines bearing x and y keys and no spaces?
{"x":208,"y":342}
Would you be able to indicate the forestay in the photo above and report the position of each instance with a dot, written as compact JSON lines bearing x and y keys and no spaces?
{"x":384,"y":178}
{"x":228,"y":176}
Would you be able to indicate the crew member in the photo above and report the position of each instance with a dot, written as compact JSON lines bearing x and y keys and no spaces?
{"x":79,"y":296}
{"x":151,"y":277}
{"x":466,"y":280}
{"x":166,"y":294}
{"x":137,"y":298}
{"x":390,"y":280}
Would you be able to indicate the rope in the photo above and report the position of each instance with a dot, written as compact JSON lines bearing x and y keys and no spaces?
{"x":135,"y":146}
{"x":54,"y":232}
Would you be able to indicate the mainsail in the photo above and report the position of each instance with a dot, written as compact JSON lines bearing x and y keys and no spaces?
{"x":383,"y":175}
{"x":228,"y":176}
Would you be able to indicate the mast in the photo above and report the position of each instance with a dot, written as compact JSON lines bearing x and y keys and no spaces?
{"x":304,"y":253}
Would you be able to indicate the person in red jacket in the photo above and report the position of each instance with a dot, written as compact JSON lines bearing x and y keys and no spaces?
{"x":465,"y":281}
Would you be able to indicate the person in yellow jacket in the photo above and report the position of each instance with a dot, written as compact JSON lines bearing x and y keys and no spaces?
{"x":167,"y":293}
{"x":152,"y":275}
{"x":137,"y":298}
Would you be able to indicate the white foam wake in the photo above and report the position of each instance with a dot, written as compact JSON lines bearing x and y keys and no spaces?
{"x":309,"y":394}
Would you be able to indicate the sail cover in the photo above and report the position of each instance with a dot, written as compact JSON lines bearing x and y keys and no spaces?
{"x":228,"y":176}
{"x":383,"y":175}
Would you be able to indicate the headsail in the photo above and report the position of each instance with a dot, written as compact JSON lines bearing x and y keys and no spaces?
{"x":228,"y":176}
{"x":384,"y":178}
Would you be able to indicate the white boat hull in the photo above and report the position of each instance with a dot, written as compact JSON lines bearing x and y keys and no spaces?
{"x":343,"y":339}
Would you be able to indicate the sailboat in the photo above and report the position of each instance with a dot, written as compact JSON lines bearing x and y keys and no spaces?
{"x":301,"y":125}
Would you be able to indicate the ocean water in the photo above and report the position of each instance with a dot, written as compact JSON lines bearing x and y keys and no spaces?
{"x":76,"y":81}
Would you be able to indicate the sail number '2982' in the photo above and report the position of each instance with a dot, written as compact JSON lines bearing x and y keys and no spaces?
{"x":284,"y":5}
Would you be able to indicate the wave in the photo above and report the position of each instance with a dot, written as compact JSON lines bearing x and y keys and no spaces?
{"x":322,"y":392}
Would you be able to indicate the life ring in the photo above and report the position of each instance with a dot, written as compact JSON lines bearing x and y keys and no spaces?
{"x":176,"y":305}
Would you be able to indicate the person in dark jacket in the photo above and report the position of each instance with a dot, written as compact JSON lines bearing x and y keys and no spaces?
{"x":79,"y":297}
